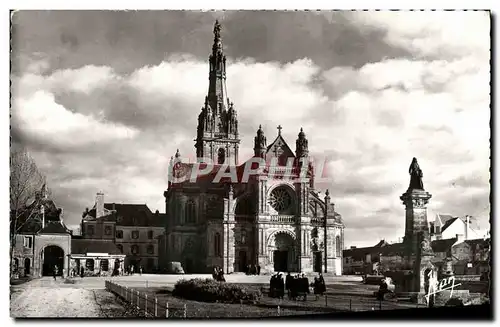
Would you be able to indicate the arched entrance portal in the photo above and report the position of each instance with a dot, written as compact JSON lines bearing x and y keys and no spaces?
{"x":282,"y":252}
{"x":53,"y":256}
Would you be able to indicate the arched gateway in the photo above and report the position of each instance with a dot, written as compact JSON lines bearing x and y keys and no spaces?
{"x":282,"y":251}
{"x":53,"y":256}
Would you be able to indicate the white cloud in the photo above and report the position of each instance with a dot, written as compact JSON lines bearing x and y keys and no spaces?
{"x":42,"y":119}
{"x":438,"y":33}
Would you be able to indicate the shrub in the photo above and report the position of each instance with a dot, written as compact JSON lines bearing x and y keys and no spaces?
{"x":209,"y":290}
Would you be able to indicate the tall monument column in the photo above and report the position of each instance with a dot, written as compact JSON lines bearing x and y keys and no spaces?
{"x":417,"y":244}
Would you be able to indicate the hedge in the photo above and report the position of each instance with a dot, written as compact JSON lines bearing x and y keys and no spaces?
{"x":209,"y":290}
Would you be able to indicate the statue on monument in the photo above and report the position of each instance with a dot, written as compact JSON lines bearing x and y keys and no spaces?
{"x":416,"y":176}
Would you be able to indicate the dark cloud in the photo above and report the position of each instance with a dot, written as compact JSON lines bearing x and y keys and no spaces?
{"x":78,"y":38}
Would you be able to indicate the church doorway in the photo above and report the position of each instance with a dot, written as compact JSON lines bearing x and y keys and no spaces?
{"x":282,"y":252}
{"x":53,"y":256}
{"x":318,"y":260}
{"x":242,"y":261}
{"x":27,"y":266}
{"x":280,"y":260}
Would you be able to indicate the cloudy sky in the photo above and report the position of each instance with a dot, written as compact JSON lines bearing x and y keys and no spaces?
{"x":103,"y":99}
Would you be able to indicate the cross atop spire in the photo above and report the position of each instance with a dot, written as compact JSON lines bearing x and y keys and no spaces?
{"x":279,"y":129}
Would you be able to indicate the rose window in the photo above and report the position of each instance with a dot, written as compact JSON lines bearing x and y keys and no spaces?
{"x":280,"y":199}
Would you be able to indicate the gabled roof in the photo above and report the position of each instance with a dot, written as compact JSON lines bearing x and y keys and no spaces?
{"x":84,"y":246}
{"x":55,"y":228}
{"x":448,"y":224}
{"x":279,"y":145}
{"x":445,"y":218}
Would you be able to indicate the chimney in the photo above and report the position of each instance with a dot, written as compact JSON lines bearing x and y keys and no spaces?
{"x":460,"y":238}
{"x":99,"y":205}
{"x":467,"y":222}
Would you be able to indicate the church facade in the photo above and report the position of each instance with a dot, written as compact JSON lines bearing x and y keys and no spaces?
{"x":263,"y":212}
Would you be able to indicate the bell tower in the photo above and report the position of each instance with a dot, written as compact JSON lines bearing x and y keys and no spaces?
{"x":217,"y":136}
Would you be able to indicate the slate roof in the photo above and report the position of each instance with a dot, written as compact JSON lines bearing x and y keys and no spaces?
{"x":55,"y":228}
{"x":440,"y":246}
{"x":448,"y":223}
{"x":359,"y":253}
{"x":445,"y":218}
{"x":392,"y":249}
{"x":84,"y":246}
{"x":126,"y":214}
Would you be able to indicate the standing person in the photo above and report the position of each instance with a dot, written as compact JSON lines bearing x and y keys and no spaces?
{"x":258,"y":269}
{"x":55,"y":271}
{"x":82,"y":271}
{"x":322,"y":284}
{"x":140,"y":270}
{"x":288,"y":284}
{"x":132,"y":270}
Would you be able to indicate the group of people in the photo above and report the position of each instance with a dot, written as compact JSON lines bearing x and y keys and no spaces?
{"x":297,"y":286}
{"x":218,"y":274}
{"x":252,"y":270}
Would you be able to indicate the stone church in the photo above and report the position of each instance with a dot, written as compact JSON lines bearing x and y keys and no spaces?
{"x":274,"y":219}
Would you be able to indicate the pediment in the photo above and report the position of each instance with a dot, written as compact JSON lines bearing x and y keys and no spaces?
{"x":279,"y":149}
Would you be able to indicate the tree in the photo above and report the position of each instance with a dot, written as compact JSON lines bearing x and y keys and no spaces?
{"x":26,"y":185}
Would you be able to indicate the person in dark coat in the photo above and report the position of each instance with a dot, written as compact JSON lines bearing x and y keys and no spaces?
{"x":258,"y":270}
{"x":322,"y":284}
{"x":288,"y":284}
{"x":55,"y":271}
{"x":281,"y":286}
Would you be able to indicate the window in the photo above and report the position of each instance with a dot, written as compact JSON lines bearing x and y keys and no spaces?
{"x":107,"y":230}
{"x":119,"y":234}
{"x":135,"y":234}
{"x":217,"y":245}
{"x":134,"y":249}
{"x":28,"y":242}
{"x":104,"y":265}
{"x":120,"y":247}
{"x":150,"y":234}
{"x":338,"y":246}
{"x":151,"y":249}
{"x":89,"y":264}
{"x":90,"y":230}
{"x":190,"y":212}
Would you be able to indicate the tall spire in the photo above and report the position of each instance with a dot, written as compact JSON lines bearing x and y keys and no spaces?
{"x":217,"y":135}
{"x":217,"y":92}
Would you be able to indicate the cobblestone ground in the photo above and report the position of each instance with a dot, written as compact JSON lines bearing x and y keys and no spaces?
{"x":46,"y":298}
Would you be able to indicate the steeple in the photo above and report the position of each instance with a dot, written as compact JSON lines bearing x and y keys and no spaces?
{"x":217,"y":92}
{"x":217,"y":135}
{"x":301,"y":145}
{"x":260,"y":143}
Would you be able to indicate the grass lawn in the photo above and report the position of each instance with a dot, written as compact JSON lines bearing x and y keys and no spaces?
{"x":266,"y":307}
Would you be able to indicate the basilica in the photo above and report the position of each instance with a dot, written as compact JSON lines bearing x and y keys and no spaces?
{"x":274,"y":218}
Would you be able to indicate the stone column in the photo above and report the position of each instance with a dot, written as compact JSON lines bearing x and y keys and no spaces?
{"x":228,"y":237}
{"x":418,"y":251}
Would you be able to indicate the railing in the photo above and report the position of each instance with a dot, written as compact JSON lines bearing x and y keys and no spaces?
{"x":338,"y":301}
{"x":149,"y":307}
{"x":317,"y":220}
{"x":282,"y":219}
{"x":244,"y":218}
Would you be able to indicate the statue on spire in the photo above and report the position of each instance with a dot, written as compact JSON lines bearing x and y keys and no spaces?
{"x":217,"y":28}
{"x":415,"y":176}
